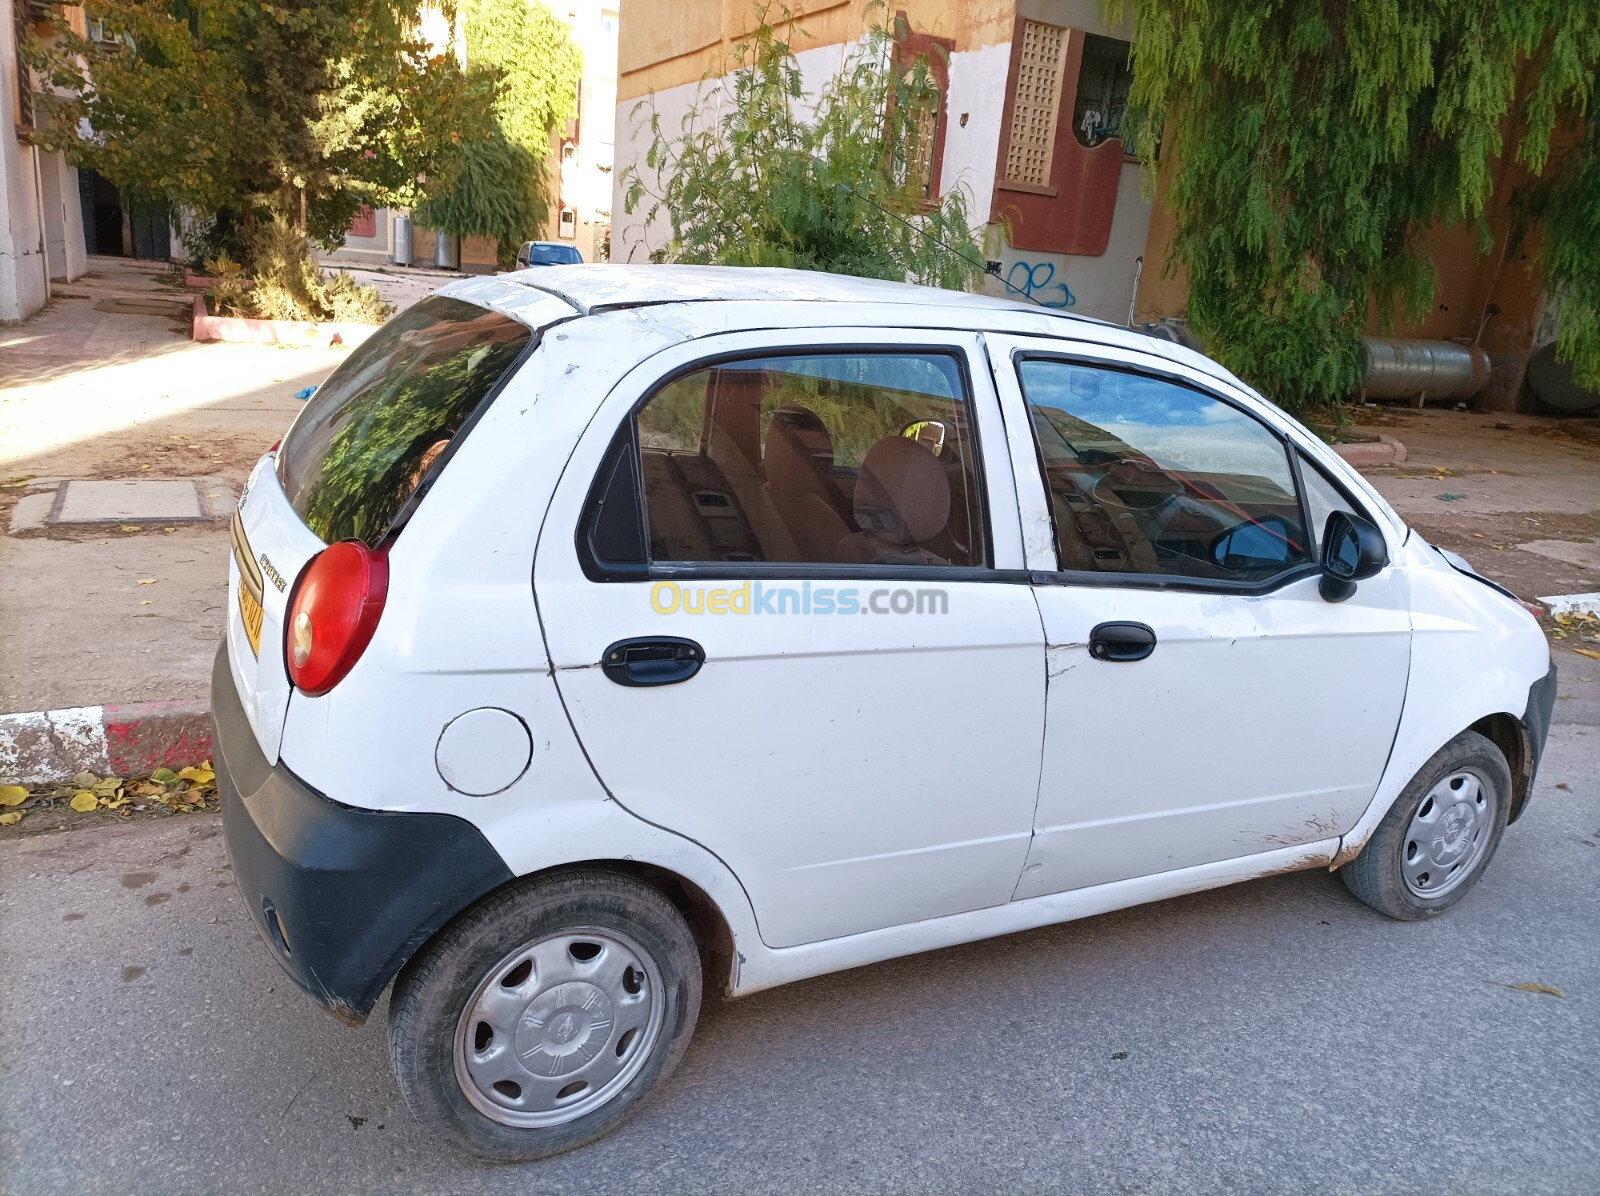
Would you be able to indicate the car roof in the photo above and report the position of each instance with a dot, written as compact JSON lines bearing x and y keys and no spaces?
{"x":722,"y":298}
{"x":589,"y":288}
{"x":697,"y":301}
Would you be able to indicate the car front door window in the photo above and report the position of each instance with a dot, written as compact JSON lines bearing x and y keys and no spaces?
{"x":1148,"y":476}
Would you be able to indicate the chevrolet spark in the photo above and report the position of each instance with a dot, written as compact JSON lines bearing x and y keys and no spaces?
{"x":597,"y":634}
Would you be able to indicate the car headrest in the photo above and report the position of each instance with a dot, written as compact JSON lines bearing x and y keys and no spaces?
{"x":798,"y":457}
{"x":902,"y":493}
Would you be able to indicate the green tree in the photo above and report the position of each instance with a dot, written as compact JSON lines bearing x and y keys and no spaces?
{"x":750,"y":179}
{"x":1317,"y":141}
{"x":500,"y":187}
{"x":300,"y":109}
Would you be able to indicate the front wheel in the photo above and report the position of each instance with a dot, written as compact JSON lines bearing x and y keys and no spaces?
{"x":1440,"y":835}
{"x":536,"y":1022}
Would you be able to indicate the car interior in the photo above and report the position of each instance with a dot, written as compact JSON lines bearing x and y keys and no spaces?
{"x":1202,"y":490}
{"x":814,"y":460}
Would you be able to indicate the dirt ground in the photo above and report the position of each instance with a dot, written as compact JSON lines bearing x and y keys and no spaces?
{"x":1520,"y":488}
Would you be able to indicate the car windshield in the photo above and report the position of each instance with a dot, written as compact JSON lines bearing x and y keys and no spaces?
{"x":552,"y":255}
{"x":376,"y":429}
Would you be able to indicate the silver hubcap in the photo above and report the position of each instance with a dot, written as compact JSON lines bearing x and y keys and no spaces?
{"x":1448,"y":834}
{"x":558,"y":1028}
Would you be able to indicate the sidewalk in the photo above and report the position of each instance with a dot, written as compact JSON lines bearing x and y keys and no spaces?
{"x":99,"y":387}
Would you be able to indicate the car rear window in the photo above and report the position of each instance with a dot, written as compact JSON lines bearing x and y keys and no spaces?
{"x":375,"y":430}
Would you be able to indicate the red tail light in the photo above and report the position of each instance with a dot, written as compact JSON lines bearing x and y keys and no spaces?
{"x":333,"y":614}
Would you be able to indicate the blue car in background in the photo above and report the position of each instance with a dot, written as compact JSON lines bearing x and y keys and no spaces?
{"x":547,"y":253}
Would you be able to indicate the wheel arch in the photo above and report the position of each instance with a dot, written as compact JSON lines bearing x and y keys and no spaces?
{"x":713,"y":934}
{"x":1501,"y":728}
{"x":1507,"y":732}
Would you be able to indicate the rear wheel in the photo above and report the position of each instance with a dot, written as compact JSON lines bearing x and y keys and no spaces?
{"x":1440,"y":835}
{"x":538,"y":1020}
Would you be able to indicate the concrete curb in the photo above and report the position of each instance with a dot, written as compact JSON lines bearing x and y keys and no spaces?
{"x":1386,"y":451}
{"x":1580,"y":604}
{"x":55,"y":745}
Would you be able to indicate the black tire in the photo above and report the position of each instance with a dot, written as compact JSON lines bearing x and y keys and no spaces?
{"x":434,"y":988}
{"x":1376,"y":877}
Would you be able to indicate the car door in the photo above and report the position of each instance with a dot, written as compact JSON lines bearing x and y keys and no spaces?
{"x":1160,"y":507}
{"x":782,"y":590}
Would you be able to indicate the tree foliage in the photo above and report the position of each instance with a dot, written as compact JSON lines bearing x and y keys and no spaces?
{"x":1317,"y":141}
{"x":760,"y":174}
{"x":1569,"y":212}
{"x":500,"y":187}
{"x":305,"y":109}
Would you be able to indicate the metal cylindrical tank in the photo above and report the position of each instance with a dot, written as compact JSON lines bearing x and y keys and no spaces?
{"x":1400,"y":368}
{"x":447,"y":251}
{"x":1552,"y":381}
{"x":402,"y":241}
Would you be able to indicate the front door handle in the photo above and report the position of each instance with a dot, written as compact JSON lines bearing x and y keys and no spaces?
{"x":652,"y":660}
{"x":1121,"y":642}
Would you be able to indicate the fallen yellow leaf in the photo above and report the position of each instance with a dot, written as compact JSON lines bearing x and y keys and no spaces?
{"x":129,"y":527}
{"x":12,"y":795}
{"x":83,"y":801}
{"x":1589,"y":652}
{"x":11,"y":818}
{"x":146,"y":602}
{"x":1547,"y":989}
{"x":200,"y":776}
{"x":145,"y":581}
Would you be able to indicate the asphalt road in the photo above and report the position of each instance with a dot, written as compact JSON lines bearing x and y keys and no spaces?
{"x":1270,"y":1037}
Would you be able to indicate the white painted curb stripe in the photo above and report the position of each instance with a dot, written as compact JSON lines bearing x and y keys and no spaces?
{"x":1584,"y":604}
{"x":32,"y":744}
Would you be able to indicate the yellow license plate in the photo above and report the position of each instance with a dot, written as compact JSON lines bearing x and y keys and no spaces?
{"x":253,"y":614}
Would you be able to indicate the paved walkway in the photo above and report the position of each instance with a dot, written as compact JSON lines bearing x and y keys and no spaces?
{"x":87,"y":393}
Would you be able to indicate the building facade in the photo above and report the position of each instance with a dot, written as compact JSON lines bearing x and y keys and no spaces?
{"x":1033,"y":94}
{"x":1030,"y":128}
{"x":42,"y":226}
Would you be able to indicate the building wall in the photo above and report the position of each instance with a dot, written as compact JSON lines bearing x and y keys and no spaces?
{"x":24,"y":284}
{"x":62,"y":216}
{"x":1077,"y":249}
{"x":582,"y":161}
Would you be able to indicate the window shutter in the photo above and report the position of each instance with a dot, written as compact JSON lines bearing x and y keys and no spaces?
{"x":1036,"y":104}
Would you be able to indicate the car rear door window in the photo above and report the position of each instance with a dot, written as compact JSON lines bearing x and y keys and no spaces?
{"x":375,"y":431}
{"x":1147,"y":476}
{"x":822,"y":458}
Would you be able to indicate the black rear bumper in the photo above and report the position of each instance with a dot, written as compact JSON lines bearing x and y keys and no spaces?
{"x":343,"y":897}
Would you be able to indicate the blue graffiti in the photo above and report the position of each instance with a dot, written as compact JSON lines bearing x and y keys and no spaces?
{"x":1038,"y":283}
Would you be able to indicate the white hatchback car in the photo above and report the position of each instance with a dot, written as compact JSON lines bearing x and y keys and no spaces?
{"x":601,"y":631}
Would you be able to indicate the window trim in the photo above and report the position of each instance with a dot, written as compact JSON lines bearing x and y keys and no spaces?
{"x":1163,"y":581}
{"x":599,"y":570}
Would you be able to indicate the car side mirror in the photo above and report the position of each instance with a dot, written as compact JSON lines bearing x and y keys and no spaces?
{"x":1352,"y":550}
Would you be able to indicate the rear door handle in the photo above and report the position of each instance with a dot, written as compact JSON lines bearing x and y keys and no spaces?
{"x":1121,"y":642}
{"x":652,"y":660}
